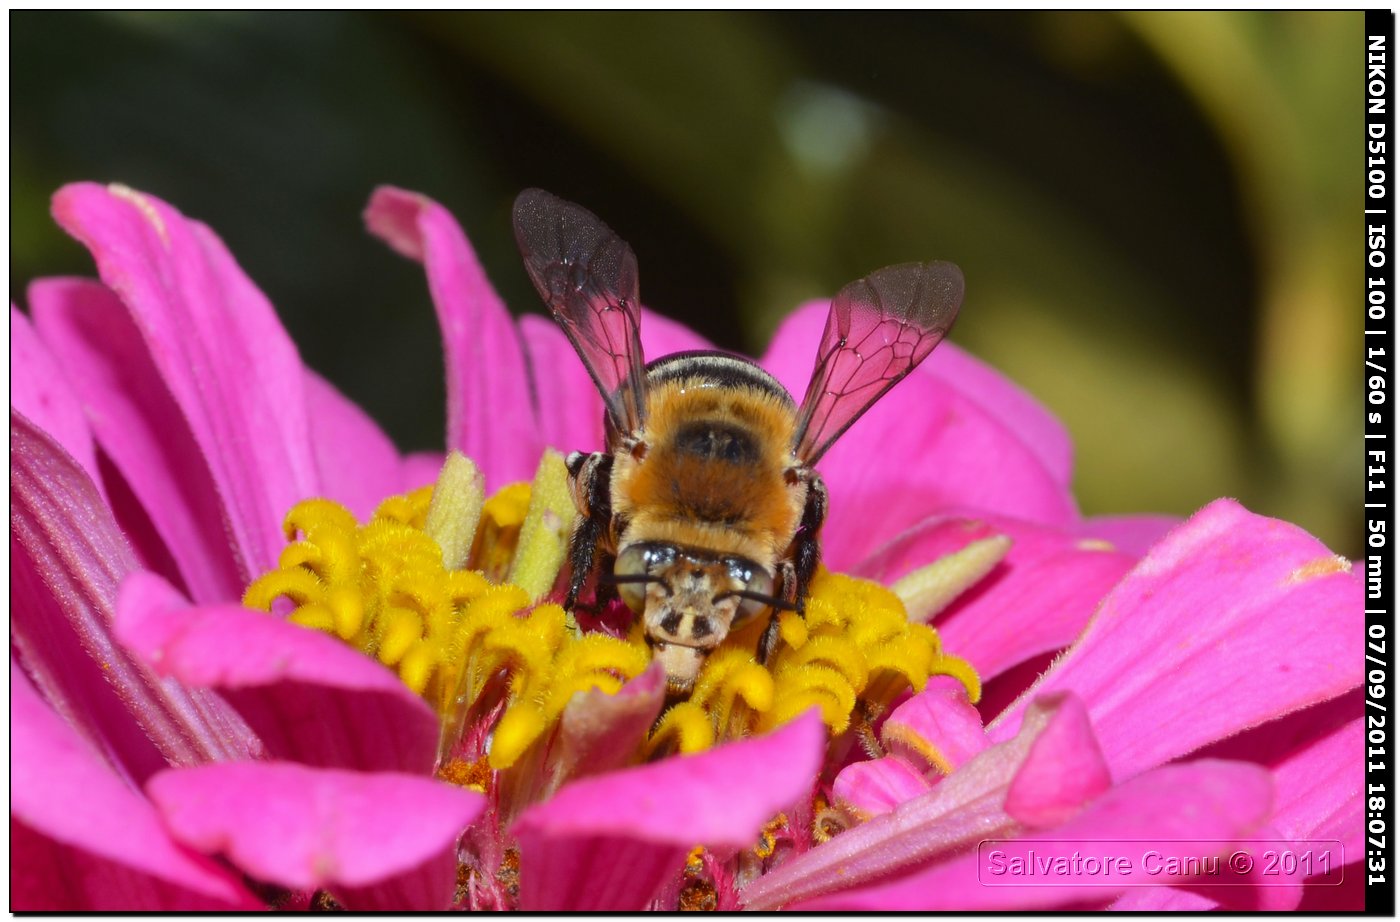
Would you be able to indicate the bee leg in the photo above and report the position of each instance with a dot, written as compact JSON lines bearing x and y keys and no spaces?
{"x":806,"y":550}
{"x":583,"y":548}
{"x":795,"y":574}
{"x":603,"y":593}
{"x":787,"y":580}
{"x":591,"y":476}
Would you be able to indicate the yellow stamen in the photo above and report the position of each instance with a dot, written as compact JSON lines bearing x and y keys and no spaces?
{"x":496,"y":539}
{"x":915,"y":747}
{"x":837,"y":652}
{"x":805,"y":687}
{"x":830,"y":820}
{"x":685,"y":727}
{"x":962,"y":670}
{"x":695,"y":861}
{"x":544,"y":533}
{"x":314,"y":615}
{"x":518,"y":729}
{"x":768,"y":837}
{"x":399,"y":629}
{"x":455,"y":509}
{"x":301,"y":586}
{"x":462,"y":773}
{"x":309,"y":513}
{"x":792,"y":628}
{"x":698,"y":892}
{"x":929,"y":590}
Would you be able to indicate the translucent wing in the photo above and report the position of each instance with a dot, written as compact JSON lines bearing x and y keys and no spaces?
{"x":587,"y":276}
{"x":879,"y":329}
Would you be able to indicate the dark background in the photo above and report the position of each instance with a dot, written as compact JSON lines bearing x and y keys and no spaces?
{"x":1157,"y":213}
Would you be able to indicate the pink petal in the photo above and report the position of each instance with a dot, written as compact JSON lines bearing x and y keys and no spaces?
{"x":1195,"y":809}
{"x":308,"y":696}
{"x":81,"y":839}
{"x":420,"y":469}
{"x":938,"y":720}
{"x":136,"y":525}
{"x":1349,"y":897}
{"x":571,"y":412}
{"x":218,"y":346}
{"x":66,"y":558}
{"x":926,"y":446}
{"x":879,"y":785}
{"x":1234,"y":619}
{"x":956,"y":813}
{"x":612,"y":840}
{"x":1035,"y":601}
{"x":662,"y":336}
{"x":1037,"y":428}
{"x":600,"y":732}
{"x":489,"y":416}
{"x":1316,"y":757}
{"x":1313,"y":791}
{"x":358,"y":464}
{"x":1162,"y":899}
{"x":379,"y":840}
{"x":41,"y":391}
{"x":141,"y":429}
{"x":1063,"y":770}
{"x":1262,"y":888}
{"x":1131,"y":534}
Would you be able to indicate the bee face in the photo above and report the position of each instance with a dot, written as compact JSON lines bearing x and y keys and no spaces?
{"x":689,"y":600}
{"x":706,"y":494}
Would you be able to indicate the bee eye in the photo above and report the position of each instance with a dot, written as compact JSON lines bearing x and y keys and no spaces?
{"x":632,"y":568}
{"x":747,"y":576}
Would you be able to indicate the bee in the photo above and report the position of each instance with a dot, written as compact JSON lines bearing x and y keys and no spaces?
{"x":703,"y":511}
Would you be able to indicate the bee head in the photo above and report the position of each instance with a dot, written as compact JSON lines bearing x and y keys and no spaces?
{"x":689,"y":601}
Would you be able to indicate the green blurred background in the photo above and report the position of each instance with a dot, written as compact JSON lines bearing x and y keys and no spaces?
{"x":1158,"y":213}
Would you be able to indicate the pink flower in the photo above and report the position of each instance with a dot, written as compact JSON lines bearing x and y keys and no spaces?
{"x":173,"y":749}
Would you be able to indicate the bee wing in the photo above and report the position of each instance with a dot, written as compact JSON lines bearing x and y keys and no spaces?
{"x":880,"y":327}
{"x":587,"y":276}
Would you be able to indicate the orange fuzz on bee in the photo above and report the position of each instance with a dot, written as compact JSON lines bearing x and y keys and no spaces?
{"x":713,"y":473}
{"x":703,"y":510}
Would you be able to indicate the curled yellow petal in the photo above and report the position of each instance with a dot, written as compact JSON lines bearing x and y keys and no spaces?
{"x":316,"y":616}
{"x":518,"y":728}
{"x":399,"y":629}
{"x":310,"y":514}
{"x":960,"y":669}
{"x":301,"y":586}
{"x":686,"y":726}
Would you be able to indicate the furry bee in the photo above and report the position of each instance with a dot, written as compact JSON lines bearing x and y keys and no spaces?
{"x":704,"y":509}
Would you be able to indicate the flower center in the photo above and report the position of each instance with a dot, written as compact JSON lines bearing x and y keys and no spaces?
{"x":470,"y":640}
{"x":451,"y":590}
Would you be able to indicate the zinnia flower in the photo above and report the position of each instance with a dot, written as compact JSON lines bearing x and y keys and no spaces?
{"x":448,"y":738}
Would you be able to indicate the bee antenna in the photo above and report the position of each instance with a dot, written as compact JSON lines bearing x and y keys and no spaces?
{"x":772,"y":601}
